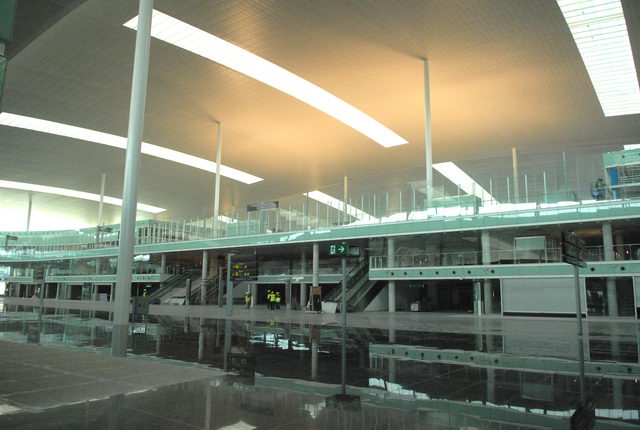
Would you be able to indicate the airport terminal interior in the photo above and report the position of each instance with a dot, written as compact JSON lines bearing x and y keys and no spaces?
{"x":344,"y":214}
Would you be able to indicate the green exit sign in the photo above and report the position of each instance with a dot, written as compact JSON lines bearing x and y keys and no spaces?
{"x":339,"y":249}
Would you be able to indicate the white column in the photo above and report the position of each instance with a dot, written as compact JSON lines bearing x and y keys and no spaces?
{"x":216,"y":196}
{"x":101,"y":203}
{"x":427,"y":135}
{"x":254,"y":294}
{"x":516,"y":178}
{"x":205,"y":273}
{"x":316,"y":265}
{"x":163,"y":264}
{"x":29,"y":211}
{"x":303,"y":285}
{"x":607,"y":243}
{"x":130,"y":189}
{"x":485,"y":241}
{"x":345,"y":195}
{"x":391,"y":252}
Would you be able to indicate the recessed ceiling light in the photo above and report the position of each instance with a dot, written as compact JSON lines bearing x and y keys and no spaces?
{"x":600,"y":32}
{"x":66,"y":130}
{"x":192,"y":39}
{"x":456,"y":175}
{"x":339,"y":205}
{"x":75,"y":194}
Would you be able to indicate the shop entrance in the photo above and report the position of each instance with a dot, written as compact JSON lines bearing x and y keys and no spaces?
{"x":447,"y":296}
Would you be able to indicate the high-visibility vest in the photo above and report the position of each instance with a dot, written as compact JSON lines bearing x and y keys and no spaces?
{"x":277,"y":299}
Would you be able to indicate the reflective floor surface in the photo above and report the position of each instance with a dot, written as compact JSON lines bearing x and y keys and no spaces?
{"x":508,"y":373}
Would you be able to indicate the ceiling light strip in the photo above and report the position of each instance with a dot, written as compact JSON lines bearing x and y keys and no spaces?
{"x":339,"y":205}
{"x":66,"y":130}
{"x":456,"y":175}
{"x":192,"y":39}
{"x":600,"y":32}
{"x":75,"y":194}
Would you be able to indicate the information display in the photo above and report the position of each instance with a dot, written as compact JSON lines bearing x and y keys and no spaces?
{"x":573,"y":249}
{"x":244,"y":267}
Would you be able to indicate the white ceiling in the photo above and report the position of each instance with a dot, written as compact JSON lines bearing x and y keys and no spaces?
{"x":504,"y":73}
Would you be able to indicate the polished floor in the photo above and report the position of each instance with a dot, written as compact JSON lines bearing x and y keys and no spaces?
{"x":291,"y":370}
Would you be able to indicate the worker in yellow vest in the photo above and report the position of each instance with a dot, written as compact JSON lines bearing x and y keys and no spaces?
{"x":277,"y":299}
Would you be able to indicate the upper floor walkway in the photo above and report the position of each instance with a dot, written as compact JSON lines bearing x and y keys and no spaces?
{"x":154,"y":236}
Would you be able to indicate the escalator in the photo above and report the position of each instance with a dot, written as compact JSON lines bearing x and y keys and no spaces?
{"x":360,"y":289}
{"x":175,"y":286}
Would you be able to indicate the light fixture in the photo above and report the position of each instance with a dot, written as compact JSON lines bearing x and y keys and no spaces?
{"x":75,"y":194}
{"x":88,"y":135}
{"x":339,"y":205}
{"x":600,"y":32}
{"x":456,"y":175}
{"x":192,"y":39}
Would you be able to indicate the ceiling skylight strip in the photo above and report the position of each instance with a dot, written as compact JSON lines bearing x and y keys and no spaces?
{"x":75,"y":194}
{"x":339,"y":205}
{"x":192,"y":39}
{"x":66,"y":130}
{"x":600,"y":32}
{"x":456,"y":175}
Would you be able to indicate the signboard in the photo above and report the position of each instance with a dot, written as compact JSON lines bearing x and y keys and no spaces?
{"x":244,"y":267}
{"x":339,"y":249}
{"x":38,"y":273}
{"x":105,"y":229}
{"x":262,"y":205}
{"x":9,"y":237}
{"x":573,"y":249}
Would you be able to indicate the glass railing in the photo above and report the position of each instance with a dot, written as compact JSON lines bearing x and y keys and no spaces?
{"x":324,"y":269}
{"x":470,"y":258}
{"x":540,"y":197}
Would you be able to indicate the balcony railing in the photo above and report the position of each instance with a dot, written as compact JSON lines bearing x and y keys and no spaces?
{"x":471,"y":258}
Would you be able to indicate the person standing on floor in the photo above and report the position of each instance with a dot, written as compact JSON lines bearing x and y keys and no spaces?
{"x":277,"y":300}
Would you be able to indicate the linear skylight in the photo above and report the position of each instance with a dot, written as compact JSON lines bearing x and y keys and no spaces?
{"x":88,"y":135}
{"x":339,"y":205}
{"x":192,"y":39}
{"x":75,"y":194}
{"x":600,"y":32}
{"x":456,"y":175}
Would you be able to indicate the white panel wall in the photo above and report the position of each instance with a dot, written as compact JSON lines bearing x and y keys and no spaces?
{"x":542,"y":295}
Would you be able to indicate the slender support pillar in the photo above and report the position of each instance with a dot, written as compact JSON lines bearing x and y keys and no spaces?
{"x":29,"y":211}
{"x":103,"y":180}
{"x":205,"y":276}
{"x":485,"y":240}
{"x":254,"y":294}
{"x":345,"y":186}
{"x":303,"y":285}
{"x":315,"y":274}
{"x":130,"y":191}
{"x":163,"y":264}
{"x":391,"y":252}
{"x":477,"y":298}
{"x":287,"y":294}
{"x":228,"y":310}
{"x":607,"y":242}
{"x":491,"y":385}
{"x":516,"y":176}
{"x":427,"y":135}
{"x":216,"y":196}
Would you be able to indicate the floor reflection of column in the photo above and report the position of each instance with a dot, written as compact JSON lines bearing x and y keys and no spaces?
{"x":207,"y":416}
{"x":159,"y":333}
{"x":491,"y":385}
{"x":615,"y":342}
{"x":201,"y":341}
{"x":393,"y":369}
{"x":314,"y":360}
{"x":227,"y":343}
{"x":617,"y":397}
{"x":115,"y":412}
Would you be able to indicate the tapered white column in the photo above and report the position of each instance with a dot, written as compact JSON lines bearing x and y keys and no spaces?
{"x":391,"y":253}
{"x":607,"y":244}
{"x":427,"y":135}
{"x":303,"y":285}
{"x":485,"y":241}
{"x":29,"y":211}
{"x":103,"y":180}
{"x":205,"y":276}
{"x":163,"y":264}
{"x":516,"y":175}
{"x":130,"y":189}
{"x":216,"y":196}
